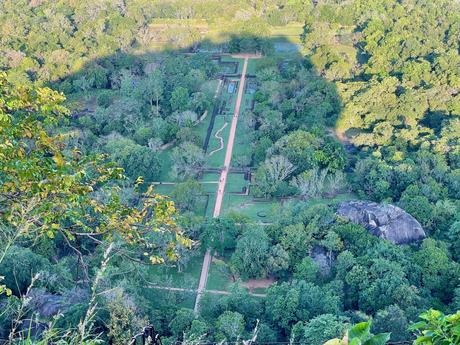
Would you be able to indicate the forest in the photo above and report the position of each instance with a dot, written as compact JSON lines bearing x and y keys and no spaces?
{"x":283,"y":171}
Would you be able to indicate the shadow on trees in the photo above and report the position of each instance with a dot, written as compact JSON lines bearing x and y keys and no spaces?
{"x":131,"y":105}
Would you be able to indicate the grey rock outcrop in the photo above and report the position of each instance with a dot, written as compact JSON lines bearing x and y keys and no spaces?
{"x":383,"y":220}
{"x":44,"y":303}
{"x":320,"y":257}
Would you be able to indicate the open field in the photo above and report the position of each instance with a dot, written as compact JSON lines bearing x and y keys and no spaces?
{"x":170,"y":276}
{"x":236,"y":182}
{"x":258,"y":211}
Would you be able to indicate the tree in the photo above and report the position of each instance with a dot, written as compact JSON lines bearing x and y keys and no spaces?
{"x":332,"y":243}
{"x":181,"y":322}
{"x":360,"y":334}
{"x":278,"y":168}
{"x":322,"y":328}
{"x":136,"y":160}
{"x":381,"y":284}
{"x":125,"y":321}
{"x":278,"y":260}
{"x":188,"y":159}
{"x":269,"y":175}
{"x":297,"y":241}
{"x":219,"y":234}
{"x":419,"y":207}
{"x":454,"y":239}
{"x":180,"y":99}
{"x":19,"y":266}
{"x":438,"y":272}
{"x":40,"y":176}
{"x":437,"y":328}
{"x":335,"y":183}
{"x":392,"y":319}
{"x":306,"y":270}
{"x":288,"y":303}
{"x":242,"y":302}
{"x":200,"y":102}
{"x":184,"y":118}
{"x":308,"y":151}
{"x":187,"y":194}
{"x":252,"y":249}
{"x":311,"y":183}
{"x":152,"y":88}
{"x":230,"y":325}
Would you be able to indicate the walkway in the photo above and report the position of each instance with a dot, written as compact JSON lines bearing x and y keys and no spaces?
{"x":222,"y":182}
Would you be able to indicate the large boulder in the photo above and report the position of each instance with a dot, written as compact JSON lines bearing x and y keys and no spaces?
{"x":383,"y":220}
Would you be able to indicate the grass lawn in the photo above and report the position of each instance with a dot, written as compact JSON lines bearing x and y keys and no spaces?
{"x":228,"y":58}
{"x":235,"y":183}
{"x":186,"y":299}
{"x":170,"y":277}
{"x":259,"y":211}
{"x":287,"y":33}
{"x":210,"y":176}
{"x":166,"y":166}
{"x":165,"y":189}
{"x":211,"y":203}
{"x":209,"y":187}
{"x":218,"y":157}
{"x":201,"y":129}
{"x":252,"y":64}
{"x":291,"y":29}
{"x":219,"y":276}
{"x":242,"y":144}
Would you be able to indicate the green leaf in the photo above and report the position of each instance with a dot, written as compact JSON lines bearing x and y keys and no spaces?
{"x":355,"y":341}
{"x":456,"y":330}
{"x":379,"y":339}
{"x":418,"y":325}
{"x":423,"y":340}
{"x":360,"y":330}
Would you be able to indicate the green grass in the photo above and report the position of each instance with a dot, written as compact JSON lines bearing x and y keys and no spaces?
{"x":235,"y":183}
{"x":165,"y":189}
{"x":252,"y":64}
{"x":291,"y":29}
{"x":210,"y":176}
{"x":170,"y":277}
{"x":201,"y":129}
{"x":166,"y":166}
{"x":209,"y":187}
{"x":228,"y":58}
{"x":218,"y":278}
{"x":217,"y":159}
{"x":211,"y":203}
{"x":259,"y":211}
{"x":186,"y":299}
{"x":287,"y":34}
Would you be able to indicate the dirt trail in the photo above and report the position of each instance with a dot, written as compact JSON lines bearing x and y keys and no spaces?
{"x":222,"y":181}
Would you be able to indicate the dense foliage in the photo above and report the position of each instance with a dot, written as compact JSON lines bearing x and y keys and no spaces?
{"x":369,"y":110}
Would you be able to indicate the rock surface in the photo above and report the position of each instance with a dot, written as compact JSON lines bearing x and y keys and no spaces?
{"x":319,"y":255}
{"x":383,"y":220}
